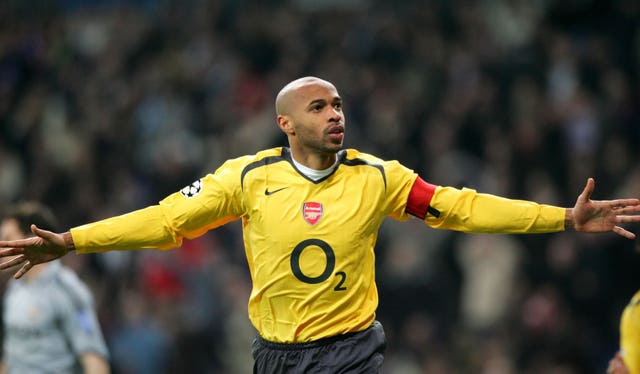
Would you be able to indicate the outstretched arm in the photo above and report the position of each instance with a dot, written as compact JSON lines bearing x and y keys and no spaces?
{"x":602,"y":215}
{"x":468,"y":211}
{"x":45,"y":246}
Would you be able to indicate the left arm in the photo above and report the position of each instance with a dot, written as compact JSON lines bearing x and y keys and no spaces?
{"x":469,"y":211}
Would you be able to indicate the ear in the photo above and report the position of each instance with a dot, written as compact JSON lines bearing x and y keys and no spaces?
{"x":285,"y":124}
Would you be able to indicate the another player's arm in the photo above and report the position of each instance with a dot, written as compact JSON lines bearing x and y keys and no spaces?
{"x":94,"y":363}
{"x":629,"y":354}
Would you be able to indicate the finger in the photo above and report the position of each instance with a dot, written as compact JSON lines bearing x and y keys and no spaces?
{"x":628,"y":209}
{"x":27,"y":266}
{"x":13,"y":262}
{"x":11,"y":252}
{"x":619,"y":219}
{"x":49,"y":237}
{"x":588,"y":190}
{"x":18,"y":243}
{"x":623,"y":203}
{"x":41,"y":233}
{"x":622,"y":232}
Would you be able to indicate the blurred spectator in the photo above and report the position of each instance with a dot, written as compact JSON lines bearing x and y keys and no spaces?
{"x":48,"y":318}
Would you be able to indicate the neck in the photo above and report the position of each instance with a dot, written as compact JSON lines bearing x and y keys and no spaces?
{"x":315,"y":161}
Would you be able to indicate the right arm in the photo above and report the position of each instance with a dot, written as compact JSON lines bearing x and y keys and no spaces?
{"x":208,"y":203}
{"x":139,"y":229}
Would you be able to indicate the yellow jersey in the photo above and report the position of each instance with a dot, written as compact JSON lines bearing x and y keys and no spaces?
{"x":630,"y":334}
{"x":309,"y":244}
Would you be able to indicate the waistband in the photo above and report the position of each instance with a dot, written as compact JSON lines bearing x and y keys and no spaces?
{"x":311,"y":344}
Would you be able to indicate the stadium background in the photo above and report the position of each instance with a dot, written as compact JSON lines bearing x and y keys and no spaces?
{"x":107,"y":106}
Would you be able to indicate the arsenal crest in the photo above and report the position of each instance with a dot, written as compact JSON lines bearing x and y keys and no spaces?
{"x":312,"y":212}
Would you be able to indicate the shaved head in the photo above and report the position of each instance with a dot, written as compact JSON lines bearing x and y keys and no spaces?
{"x":309,"y":112}
{"x":288,"y":92}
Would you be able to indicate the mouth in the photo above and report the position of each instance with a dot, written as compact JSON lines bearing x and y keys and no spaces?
{"x":336,"y":132}
{"x":336,"y":129}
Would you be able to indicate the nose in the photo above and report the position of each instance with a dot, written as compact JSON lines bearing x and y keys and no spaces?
{"x":336,"y":114}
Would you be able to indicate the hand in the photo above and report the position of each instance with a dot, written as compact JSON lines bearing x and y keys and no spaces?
{"x":601,"y":216}
{"x":617,"y":366}
{"x":45,"y":246}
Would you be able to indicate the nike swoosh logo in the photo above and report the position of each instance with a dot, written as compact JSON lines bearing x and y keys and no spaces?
{"x":267,"y":192}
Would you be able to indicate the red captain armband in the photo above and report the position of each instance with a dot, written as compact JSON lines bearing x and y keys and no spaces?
{"x":418,"y":203}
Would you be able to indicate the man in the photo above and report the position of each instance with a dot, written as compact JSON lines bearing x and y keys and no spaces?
{"x":48,"y":316}
{"x":627,"y":360}
{"x":310,"y":216}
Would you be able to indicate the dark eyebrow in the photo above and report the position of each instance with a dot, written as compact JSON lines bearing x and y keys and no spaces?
{"x":336,"y":99}
{"x":317,"y":101}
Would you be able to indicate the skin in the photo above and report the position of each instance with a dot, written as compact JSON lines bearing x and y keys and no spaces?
{"x":617,"y":366}
{"x":309,"y":112}
{"x":10,"y":230}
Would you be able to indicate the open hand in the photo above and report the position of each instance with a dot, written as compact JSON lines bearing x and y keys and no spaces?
{"x":605,"y":215}
{"x":45,"y":246}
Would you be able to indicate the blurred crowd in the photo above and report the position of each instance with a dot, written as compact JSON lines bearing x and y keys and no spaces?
{"x":106,"y":106}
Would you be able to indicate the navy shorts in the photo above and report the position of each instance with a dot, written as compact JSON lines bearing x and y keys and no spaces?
{"x":358,"y":352}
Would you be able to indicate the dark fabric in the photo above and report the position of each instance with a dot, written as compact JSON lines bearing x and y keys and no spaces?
{"x":361,"y":352}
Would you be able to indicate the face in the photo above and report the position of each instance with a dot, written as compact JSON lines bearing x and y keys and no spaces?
{"x":314,"y":120}
{"x":10,"y":230}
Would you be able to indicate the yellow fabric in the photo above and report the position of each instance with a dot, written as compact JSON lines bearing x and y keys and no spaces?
{"x":469,"y":211}
{"x":630,"y":334}
{"x":309,"y":245}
